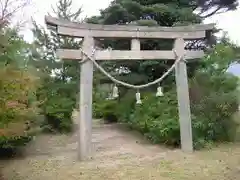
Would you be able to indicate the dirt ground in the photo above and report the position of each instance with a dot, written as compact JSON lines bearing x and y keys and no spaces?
{"x":120,"y":155}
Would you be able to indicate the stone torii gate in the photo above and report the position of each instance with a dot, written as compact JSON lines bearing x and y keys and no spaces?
{"x":91,"y":31}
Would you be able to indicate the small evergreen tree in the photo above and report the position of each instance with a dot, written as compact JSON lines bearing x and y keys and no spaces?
{"x":61,"y":78}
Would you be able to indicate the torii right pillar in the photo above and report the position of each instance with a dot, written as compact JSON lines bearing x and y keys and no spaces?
{"x":183,"y":98}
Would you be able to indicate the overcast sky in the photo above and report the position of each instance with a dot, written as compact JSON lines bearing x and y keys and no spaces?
{"x":228,"y":21}
{"x":38,"y":9}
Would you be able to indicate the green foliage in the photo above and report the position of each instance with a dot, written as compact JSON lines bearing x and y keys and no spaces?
{"x":219,"y":59}
{"x":125,"y":106}
{"x":113,"y":110}
{"x":157,"y":118}
{"x":213,"y":101}
{"x":109,"y":110}
{"x":57,"y":106}
{"x":99,"y":97}
{"x":58,"y":114}
{"x":58,"y":93}
{"x":105,"y":109}
{"x":18,"y":84}
{"x":11,"y":143}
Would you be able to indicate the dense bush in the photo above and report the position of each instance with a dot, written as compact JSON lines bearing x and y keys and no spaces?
{"x":213,"y":102}
{"x":125,"y":106}
{"x":106,"y":109}
{"x":57,"y":106}
{"x":157,"y":118}
{"x":18,"y":110}
{"x":58,"y":115}
{"x":18,"y":84}
{"x":98,"y":99}
{"x":114,"y":110}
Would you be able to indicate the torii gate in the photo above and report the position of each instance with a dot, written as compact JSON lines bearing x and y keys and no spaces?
{"x":135,"y":33}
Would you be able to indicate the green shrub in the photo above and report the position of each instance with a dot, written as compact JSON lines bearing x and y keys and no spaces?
{"x":18,"y":110}
{"x":107,"y":109}
{"x":99,"y":102}
{"x":97,"y":109}
{"x":13,"y":142}
{"x":157,"y":118}
{"x":57,"y":106}
{"x":213,"y":102}
{"x":125,"y":106}
{"x":58,"y":114}
{"x":114,"y":110}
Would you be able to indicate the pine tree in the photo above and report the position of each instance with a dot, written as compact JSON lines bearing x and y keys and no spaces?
{"x":150,"y":13}
{"x":155,"y":13}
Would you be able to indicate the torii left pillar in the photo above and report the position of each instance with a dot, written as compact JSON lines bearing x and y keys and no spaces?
{"x":85,"y":105}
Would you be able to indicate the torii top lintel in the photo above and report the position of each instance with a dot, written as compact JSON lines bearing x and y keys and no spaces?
{"x":68,"y":28}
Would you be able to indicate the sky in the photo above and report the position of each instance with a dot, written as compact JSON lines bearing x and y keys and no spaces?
{"x":234,"y":69}
{"x":38,"y":9}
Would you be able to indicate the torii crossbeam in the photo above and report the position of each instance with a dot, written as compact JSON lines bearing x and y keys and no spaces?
{"x":91,"y":31}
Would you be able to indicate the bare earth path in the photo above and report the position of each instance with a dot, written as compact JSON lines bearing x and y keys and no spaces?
{"x":120,"y":155}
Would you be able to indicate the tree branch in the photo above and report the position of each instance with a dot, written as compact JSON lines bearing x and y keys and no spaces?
{"x":213,"y":13}
{"x":9,"y":8}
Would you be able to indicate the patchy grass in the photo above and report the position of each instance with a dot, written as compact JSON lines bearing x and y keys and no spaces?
{"x":120,"y":155}
{"x":221,"y":163}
